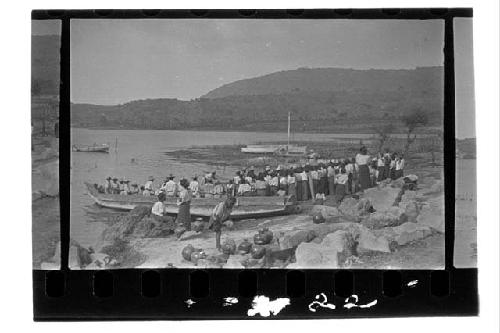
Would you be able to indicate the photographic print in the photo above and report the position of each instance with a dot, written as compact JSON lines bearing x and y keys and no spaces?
{"x":45,"y":69}
{"x":465,"y":246}
{"x":217,"y":143}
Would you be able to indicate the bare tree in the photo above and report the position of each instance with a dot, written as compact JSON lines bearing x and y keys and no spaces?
{"x":412,"y":120}
{"x":383,"y":134}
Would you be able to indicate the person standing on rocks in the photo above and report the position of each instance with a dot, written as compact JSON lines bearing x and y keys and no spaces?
{"x":220,"y":214}
{"x":184,"y":203}
{"x":362,"y":160}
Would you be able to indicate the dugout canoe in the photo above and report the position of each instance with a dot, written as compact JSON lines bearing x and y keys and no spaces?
{"x":92,"y":149}
{"x":246,"y":208}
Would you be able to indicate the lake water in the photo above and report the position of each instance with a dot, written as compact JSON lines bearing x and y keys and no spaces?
{"x":141,"y":153}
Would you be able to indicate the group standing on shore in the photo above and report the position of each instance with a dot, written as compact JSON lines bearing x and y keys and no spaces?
{"x":315,"y":180}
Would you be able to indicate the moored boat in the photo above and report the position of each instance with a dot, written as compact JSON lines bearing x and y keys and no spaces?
{"x":104,"y":148}
{"x":246,"y":207}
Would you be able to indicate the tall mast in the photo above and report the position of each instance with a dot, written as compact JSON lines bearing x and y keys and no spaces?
{"x":288,"y":130}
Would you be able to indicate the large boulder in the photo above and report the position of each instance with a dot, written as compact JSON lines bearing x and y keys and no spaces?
{"x":355,"y":210}
{"x":330,"y":253}
{"x":369,"y":242}
{"x":432,"y":215}
{"x":404,"y":234}
{"x":294,"y":238}
{"x":325,"y":211}
{"x":393,"y":216}
{"x":382,"y":198}
{"x":411,"y":210}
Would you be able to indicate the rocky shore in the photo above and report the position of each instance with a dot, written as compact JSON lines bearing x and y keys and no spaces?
{"x":392,"y":225}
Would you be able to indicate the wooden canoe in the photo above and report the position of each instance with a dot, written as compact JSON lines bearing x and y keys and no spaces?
{"x":92,"y":149}
{"x":246,"y":207}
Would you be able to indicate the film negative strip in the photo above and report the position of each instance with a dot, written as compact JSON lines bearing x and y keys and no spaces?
{"x":376,"y":243}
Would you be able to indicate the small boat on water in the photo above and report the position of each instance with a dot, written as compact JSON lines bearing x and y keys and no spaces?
{"x":104,"y":148}
{"x":245,"y":208}
{"x":282,"y":150}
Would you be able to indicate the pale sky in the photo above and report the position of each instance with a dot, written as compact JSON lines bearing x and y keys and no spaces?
{"x":465,"y":118}
{"x":116,"y":61}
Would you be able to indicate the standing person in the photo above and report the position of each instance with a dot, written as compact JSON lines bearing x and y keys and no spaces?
{"x":298,"y":183}
{"x":292,"y":190}
{"x":323,"y":179}
{"x":314,"y":176}
{"x":380,"y":168}
{"x":330,"y":173}
{"x":220,"y":214}
{"x":171,"y":187}
{"x":283,"y":181}
{"x":362,"y":161}
{"x":393,"y":166}
{"x":400,"y":164}
{"x":349,"y":169}
{"x":194,"y":187}
{"x":341,"y":182}
{"x":304,"y":176}
{"x":184,"y":202}
{"x":387,"y":163}
{"x":230,"y":188}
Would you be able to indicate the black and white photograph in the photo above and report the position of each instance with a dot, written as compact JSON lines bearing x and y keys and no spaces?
{"x":214,"y":143}
{"x":45,"y":69}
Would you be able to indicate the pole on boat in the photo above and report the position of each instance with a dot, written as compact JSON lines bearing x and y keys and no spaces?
{"x":288,"y":145}
{"x":116,"y":144}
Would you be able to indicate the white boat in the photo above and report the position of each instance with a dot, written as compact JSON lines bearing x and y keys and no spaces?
{"x":284,"y":150}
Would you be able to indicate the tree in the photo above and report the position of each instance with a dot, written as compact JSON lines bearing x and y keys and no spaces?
{"x":412,"y":120}
{"x":383,"y":134}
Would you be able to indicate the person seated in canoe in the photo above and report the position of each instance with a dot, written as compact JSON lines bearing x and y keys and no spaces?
{"x":148,"y":187}
{"x":115,"y":186}
{"x":245,"y":189}
{"x":171,"y":187}
{"x":261,"y":185}
{"x":107,"y":186}
{"x":158,"y":209}
{"x":134,"y":189}
{"x":218,"y":189}
{"x":220,"y":214}
{"x":194,"y":186}
{"x":210,"y":177}
{"x":124,"y":187}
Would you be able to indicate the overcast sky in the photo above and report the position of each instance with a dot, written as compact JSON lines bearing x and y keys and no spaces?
{"x":116,"y":61}
{"x":465,"y":121}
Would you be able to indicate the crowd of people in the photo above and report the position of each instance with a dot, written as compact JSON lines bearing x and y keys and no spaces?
{"x":313,"y":180}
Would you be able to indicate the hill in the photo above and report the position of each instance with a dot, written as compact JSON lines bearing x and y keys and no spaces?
{"x":45,"y":64}
{"x":421,"y":79}
{"x":320,"y":100}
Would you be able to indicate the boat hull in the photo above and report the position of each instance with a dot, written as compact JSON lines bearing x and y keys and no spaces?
{"x":246,"y":208}
{"x":100,"y":149}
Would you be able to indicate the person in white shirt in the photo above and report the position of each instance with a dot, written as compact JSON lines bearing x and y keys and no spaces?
{"x":171,"y":187}
{"x":362,"y":161}
{"x":273,"y":183}
{"x":148,"y":187}
{"x":304,"y":179}
{"x":291,"y":183}
{"x":244,"y":189}
{"x":283,"y":180}
{"x":184,"y":203}
{"x":393,"y":166}
{"x":158,"y":210}
{"x":341,"y":181}
{"x":107,"y":186}
{"x":400,"y":164}
{"x":330,"y":174}
{"x":194,"y":187}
